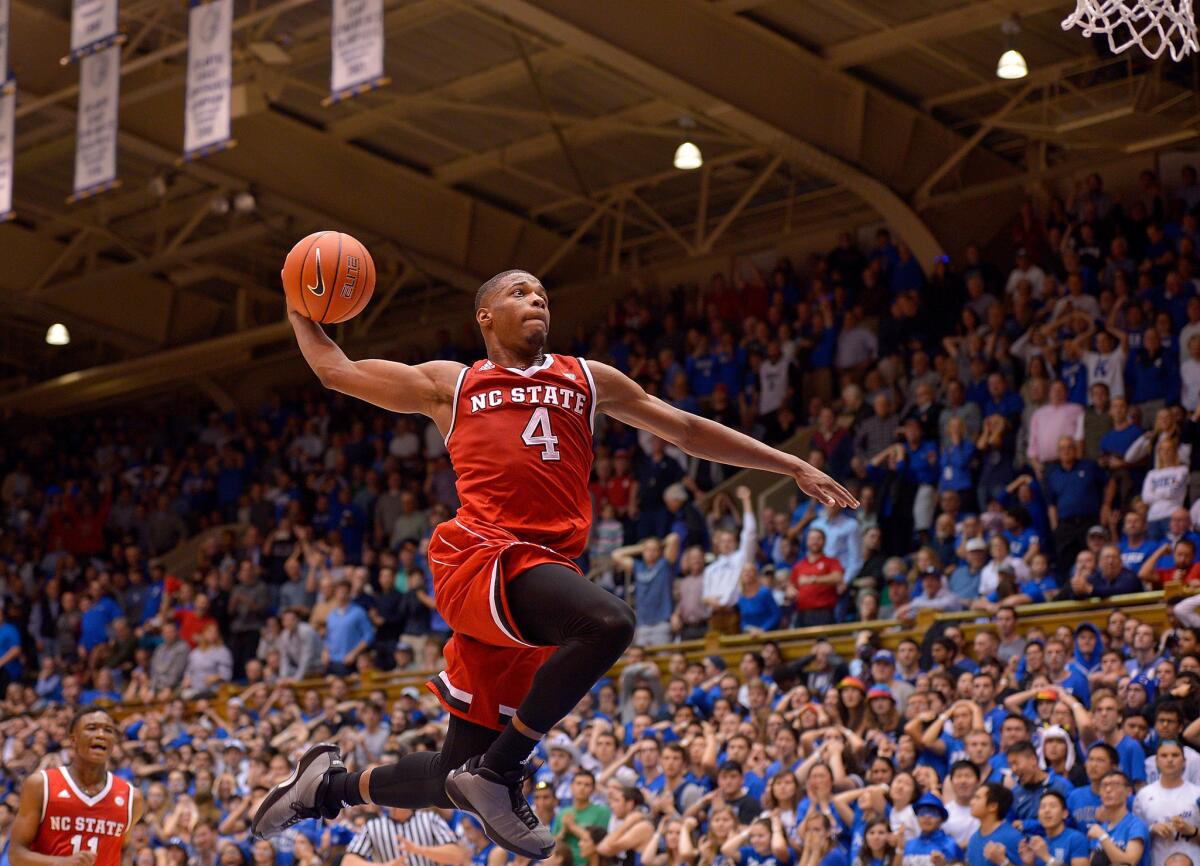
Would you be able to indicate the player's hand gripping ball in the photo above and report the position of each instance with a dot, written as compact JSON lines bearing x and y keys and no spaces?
{"x":328,"y":277}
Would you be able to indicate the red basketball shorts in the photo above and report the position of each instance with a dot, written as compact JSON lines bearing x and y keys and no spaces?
{"x":489,"y":666}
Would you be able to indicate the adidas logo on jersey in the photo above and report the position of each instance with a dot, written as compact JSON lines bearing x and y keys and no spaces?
{"x":64,"y":794}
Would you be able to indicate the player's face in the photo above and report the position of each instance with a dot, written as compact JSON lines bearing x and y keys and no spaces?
{"x":517,"y":313}
{"x":95,"y":737}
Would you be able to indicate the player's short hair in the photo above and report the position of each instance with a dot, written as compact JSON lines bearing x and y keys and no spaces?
{"x":588,"y":774}
{"x":495,"y":281}
{"x":86,"y":711}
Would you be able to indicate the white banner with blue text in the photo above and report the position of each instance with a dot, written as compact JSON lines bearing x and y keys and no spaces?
{"x":206,"y":126}
{"x":357,"y":47}
{"x":93,"y":25}
{"x":96,"y":134}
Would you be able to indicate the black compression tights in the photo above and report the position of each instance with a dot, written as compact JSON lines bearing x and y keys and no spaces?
{"x":552,"y":605}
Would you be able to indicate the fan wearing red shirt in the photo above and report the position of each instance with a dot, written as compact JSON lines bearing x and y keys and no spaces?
{"x":1183,"y":567}
{"x":817,"y":579}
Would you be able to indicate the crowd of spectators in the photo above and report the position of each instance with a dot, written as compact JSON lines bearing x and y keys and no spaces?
{"x":1020,"y":427}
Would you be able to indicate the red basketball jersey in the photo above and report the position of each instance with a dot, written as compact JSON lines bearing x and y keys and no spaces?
{"x":521,"y":443}
{"x":73,"y":821}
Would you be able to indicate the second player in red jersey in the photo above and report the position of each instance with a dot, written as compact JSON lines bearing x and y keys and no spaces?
{"x":79,"y":814}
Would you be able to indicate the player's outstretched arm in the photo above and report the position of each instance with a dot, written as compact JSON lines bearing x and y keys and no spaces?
{"x":624,"y":399}
{"x":426,"y":388}
{"x":25,"y":829}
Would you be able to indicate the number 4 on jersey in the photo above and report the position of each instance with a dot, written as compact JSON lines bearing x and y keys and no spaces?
{"x":538,"y":432}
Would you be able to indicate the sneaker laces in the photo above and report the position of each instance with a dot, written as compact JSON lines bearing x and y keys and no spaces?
{"x":515,"y":780}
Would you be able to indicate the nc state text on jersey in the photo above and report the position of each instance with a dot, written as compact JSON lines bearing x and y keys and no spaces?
{"x":544,"y":395}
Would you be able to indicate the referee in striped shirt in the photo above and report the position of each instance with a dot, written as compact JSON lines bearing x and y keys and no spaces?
{"x":419,"y":838}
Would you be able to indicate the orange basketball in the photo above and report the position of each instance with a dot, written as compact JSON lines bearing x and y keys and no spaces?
{"x":329,"y":277}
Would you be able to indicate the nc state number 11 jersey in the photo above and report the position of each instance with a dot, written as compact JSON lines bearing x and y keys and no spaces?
{"x":521,"y":443}
{"x":72,"y":821}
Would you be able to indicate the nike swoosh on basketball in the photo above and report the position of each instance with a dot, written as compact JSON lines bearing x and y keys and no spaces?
{"x":319,"y":288}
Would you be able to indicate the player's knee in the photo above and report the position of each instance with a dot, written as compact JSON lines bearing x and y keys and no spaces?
{"x":616,"y":622}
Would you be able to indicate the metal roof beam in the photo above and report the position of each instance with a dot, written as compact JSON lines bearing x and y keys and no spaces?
{"x":529,"y":149}
{"x":667,"y":66}
{"x":942,"y":25}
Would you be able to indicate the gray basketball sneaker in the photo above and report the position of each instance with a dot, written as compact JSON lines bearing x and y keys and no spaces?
{"x":299,"y":796}
{"x":500,"y":805}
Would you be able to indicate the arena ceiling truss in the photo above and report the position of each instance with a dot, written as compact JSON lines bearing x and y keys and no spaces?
{"x":520,"y":132}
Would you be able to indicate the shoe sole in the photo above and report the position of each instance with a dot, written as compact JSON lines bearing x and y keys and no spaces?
{"x":277,"y":793}
{"x":461,"y":802}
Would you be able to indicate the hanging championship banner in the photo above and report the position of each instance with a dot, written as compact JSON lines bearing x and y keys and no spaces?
{"x":96,"y":134}
{"x":4,"y":6}
{"x":209,"y":79}
{"x":93,"y":26}
{"x":8,"y":110}
{"x":357,"y":48}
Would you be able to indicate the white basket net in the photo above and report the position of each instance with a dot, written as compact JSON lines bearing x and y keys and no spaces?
{"x":1154,"y":26}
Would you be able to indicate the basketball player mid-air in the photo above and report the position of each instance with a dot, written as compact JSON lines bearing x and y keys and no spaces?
{"x":532,"y":635}
{"x":80,"y":814}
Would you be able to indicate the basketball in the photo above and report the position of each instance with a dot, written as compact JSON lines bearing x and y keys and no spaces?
{"x":329,"y":277}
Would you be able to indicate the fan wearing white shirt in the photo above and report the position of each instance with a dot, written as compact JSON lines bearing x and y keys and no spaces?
{"x":1165,"y":486}
{"x":1107,"y":363}
{"x":1028,"y":271}
{"x":722,"y":577}
{"x":1189,"y":375}
{"x":1169,"y":808}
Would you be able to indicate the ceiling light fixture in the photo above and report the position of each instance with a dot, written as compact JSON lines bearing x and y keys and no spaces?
{"x":687,"y":155}
{"x":1012,"y":63}
{"x":58,"y":335}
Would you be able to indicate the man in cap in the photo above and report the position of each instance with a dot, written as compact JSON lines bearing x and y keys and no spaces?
{"x":559,"y":769}
{"x":935,"y":595}
{"x":883,"y":673}
{"x":899,"y":593}
{"x":934,"y":844}
{"x":965,"y":579}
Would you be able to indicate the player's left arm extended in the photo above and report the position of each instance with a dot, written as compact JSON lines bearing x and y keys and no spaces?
{"x":626,"y":400}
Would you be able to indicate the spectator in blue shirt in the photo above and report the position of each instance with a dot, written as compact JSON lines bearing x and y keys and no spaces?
{"x":1032,"y":783}
{"x":348,"y":632}
{"x":654,"y":580}
{"x":1074,"y":489}
{"x":10,"y":651}
{"x":1122,"y":836}
{"x":1083,"y":801}
{"x":1136,"y":545}
{"x":97,"y":616}
{"x":931,"y":814}
{"x":1111,"y":578}
{"x":1001,"y":401}
{"x":764,"y":843}
{"x":757,"y":606}
{"x":996,"y":837}
{"x":1060,"y":844}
